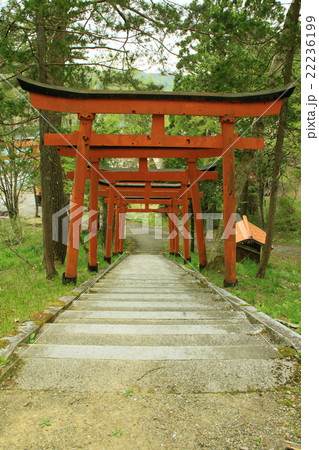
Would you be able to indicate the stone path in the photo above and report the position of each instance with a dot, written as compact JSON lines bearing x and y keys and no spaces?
{"x":148,"y":326}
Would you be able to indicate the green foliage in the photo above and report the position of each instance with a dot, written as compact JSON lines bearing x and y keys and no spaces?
{"x":117,"y":432}
{"x":31,"y":339}
{"x":18,"y":170}
{"x":277,"y":295}
{"x":286,"y":206}
{"x":128,"y":393}
{"x":44,"y":423}
{"x":24,"y":290}
{"x":230,"y":48}
{"x":288,"y":221}
{"x":3,"y":362}
{"x":226,"y":48}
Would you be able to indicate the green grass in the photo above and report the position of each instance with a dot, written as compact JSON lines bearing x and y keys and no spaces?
{"x":24,"y":289}
{"x":277,"y":295}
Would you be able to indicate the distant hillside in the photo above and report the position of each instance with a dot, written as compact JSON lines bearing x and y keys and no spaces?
{"x":157,"y":78}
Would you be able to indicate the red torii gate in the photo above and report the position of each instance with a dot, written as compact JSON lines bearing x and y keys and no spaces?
{"x":91,"y":146}
{"x":172,"y":210}
{"x":169,"y":198}
{"x":146,"y":194}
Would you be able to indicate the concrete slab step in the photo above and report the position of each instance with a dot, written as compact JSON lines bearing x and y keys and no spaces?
{"x":112,"y":326}
{"x":154,"y":296}
{"x":103,"y":305}
{"x":192,"y":376}
{"x":153,"y":315}
{"x":162,"y":340}
{"x":220,"y":328}
{"x":149,"y":289}
{"x":221,"y":305}
{"x":154,"y":273}
{"x":158,"y":353}
{"x":140,"y":286}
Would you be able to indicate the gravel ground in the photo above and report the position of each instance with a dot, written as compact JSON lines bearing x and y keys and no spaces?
{"x":63,"y":420}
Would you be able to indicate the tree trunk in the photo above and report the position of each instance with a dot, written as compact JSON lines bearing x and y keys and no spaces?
{"x":53,"y":198}
{"x":45,"y":167}
{"x":290,"y":36}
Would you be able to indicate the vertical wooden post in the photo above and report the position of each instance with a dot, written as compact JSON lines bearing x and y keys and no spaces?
{"x":158,"y":125}
{"x":116,"y":228}
{"x":197,"y":210}
{"x":229,"y":193}
{"x":170,"y":230}
{"x":122,"y":228}
{"x":93,"y":220}
{"x":187,"y":256}
{"x":109,"y":226}
{"x":76,"y":211}
{"x":175,"y":227}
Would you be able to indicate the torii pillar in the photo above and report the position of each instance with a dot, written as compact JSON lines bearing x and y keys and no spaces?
{"x":185,"y":225}
{"x":122,"y":216}
{"x":170,"y":229}
{"x":197,"y":209}
{"x":81,"y":160}
{"x":109,"y":226}
{"x":229,"y":193}
{"x":93,"y":218}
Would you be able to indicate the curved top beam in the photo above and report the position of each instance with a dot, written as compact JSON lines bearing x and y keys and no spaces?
{"x":81,"y":101}
{"x":64,"y":92}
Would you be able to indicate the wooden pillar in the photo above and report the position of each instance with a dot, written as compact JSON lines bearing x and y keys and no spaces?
{"x":109,"y":226}
{"x":185,"y":223}
{"x":122,"y":228}
{"x":158,"y":125}
{"x":116,"y":228}
{"x":175,"y":227}
{"x":81,"y":161}
{"x":170,"y":230}
{"x":229,"y":193}
{"x":197,"y":210}
{"x":93,"y":218}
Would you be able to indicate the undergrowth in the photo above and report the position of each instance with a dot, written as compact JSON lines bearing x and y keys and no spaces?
{"x":277,"y":295}
{"x":24,"y":289}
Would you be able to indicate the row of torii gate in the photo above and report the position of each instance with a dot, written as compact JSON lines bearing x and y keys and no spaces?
{"x":171,"y":189}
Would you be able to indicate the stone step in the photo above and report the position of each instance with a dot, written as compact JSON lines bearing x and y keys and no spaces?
{"x":149,"y":290}
{"x":152,"y":315}
{"x":158,"y":353}
{"x":62,"y":335}
{"x":166,"y":377}
{"x":154,"y":340}
{"x":217,"y":326}
{"x":104,"y":305}
{"x":152,"y":274}
{"x":155,"y":330}
{"x":155,"y":296}
{"x":144,"y":303}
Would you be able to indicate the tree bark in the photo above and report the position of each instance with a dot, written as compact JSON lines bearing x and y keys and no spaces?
{"x":53,"y":198}
{"x":285,"y":60}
